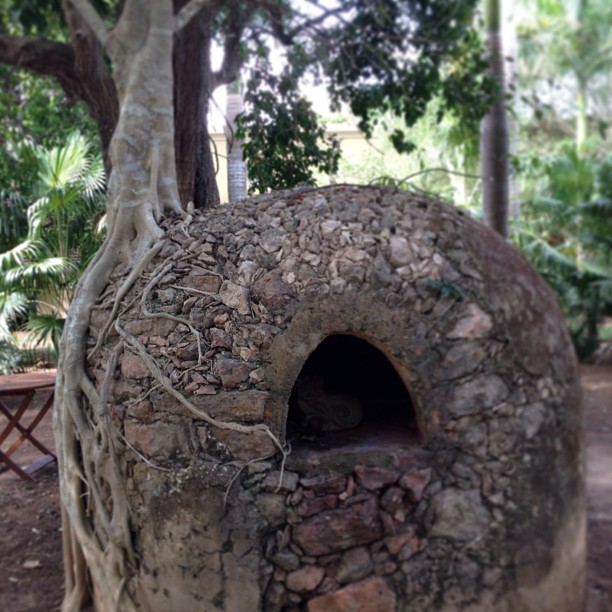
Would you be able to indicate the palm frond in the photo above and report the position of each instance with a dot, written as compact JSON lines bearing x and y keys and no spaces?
{"x":20,"y":255}
{"x":94,"y":181}
{"x":12,"y":306}
{"x":545,"y":257}
{"x":45,"y":330}
{"x":61,"y":166}
{"x":38,"y":274}
{"x":10,"y":358}
{"x":37,"y":213}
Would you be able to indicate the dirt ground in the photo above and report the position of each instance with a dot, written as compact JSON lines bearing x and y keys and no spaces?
{"x":30,"y":531}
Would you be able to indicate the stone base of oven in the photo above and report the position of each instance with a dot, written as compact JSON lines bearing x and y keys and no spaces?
{"x":250,"y":560}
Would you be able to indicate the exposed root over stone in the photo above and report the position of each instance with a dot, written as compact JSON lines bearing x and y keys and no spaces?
{"x":98,"y":547}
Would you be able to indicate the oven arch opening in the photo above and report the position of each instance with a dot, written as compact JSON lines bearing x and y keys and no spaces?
{"x":348,"y":391}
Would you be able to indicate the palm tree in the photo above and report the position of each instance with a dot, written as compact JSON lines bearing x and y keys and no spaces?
{"x":236,"y":166}
{"x":38,"y":274}
{"x":494,"y":143}
{"x":569,"y":40}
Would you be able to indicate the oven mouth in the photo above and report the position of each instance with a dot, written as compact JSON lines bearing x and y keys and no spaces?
{"x":349,"y":394}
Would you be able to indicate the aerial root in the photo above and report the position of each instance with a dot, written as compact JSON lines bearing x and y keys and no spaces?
{"x":139,"y":348}
{"x":127,"y":284}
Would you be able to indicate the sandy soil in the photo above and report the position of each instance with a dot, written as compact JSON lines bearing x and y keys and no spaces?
{"x":30,"y":531}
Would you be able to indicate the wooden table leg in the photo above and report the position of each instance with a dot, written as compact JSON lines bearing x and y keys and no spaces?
{"x":26,"y":434}
{"x":13,"y":466}
{"x":13,"y":419}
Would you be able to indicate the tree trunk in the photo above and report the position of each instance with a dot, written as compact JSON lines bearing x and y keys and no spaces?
{"x":99,"y":93}
{"x":494,"y":133}
{"x":236,"y":167}
{"x":98,"y":547}
{"x":81,"y":72}
{"x":195,"y":163}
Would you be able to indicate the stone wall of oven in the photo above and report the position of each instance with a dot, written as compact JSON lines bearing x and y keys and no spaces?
{"x":485,"y":511}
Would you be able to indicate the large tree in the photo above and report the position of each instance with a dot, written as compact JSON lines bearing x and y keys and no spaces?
{"x":146,"y":74}
{"x":391,"y":55}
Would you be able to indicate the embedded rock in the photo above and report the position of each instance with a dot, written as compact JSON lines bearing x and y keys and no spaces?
{"x":458,"y":487}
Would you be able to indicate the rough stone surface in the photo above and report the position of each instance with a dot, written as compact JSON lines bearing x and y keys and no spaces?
{"x":375,"y":478}
{"x":157,"y":440}
{"x":415,"y":482}
{"x":460,"y":514}
{"x":132,"y":366}
{"x":305,"y":579}
{"x":356,"y":564}
{"x":371,"y":595}
{"x":231,"y":372}
{"x":479,"y":394}
{"x":235,"y":296}
{"x":479,"y":477}
{"x":474,"y":324}
{"x":337,"y":530}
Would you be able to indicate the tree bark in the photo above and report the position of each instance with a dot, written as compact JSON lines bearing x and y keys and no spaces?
{"x":99,"y":93}
{"x":195,"y":163}
{"x":494,"y":134}
{"x":78,"y":69}
{"x":510,"y":46}
{"x":44,"y":57}
{"x":97,"y":539}
{"x":206,"y":191}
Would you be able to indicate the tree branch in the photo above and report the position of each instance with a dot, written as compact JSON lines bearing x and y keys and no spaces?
{"x":232,"y":59}
{"x":313,"y":22}
{"x":188,"y":12}
{"x":407,"y":179}
{"x":44,"y":57}
{"x":96,"y":82}
{"x":276,"y":15}
{"x":93,"y":20}
{"x":79,"y":71}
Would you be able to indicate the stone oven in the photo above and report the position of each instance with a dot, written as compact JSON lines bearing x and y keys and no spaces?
{"x":413,"y":367}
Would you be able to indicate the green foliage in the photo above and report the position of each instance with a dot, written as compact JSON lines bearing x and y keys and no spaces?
{"x":444,"y":162}
{"x":40,"y":267}
{"x":34,"y":109}
{"x":567,"y":235}
{"x":71,"y":184}
{"x":10,"y":358}
{"x":397,"y":56}
{"x":13,"y":219}
{"x":45,"y":330}
{"x":30,"y":17}
{"x":33,"y":112}
{"x":605,"y":332}
{"x":284,"y":141}
{"x":376,"y":56}
{"x":381,"y":58}
{"x":565,"y":64}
